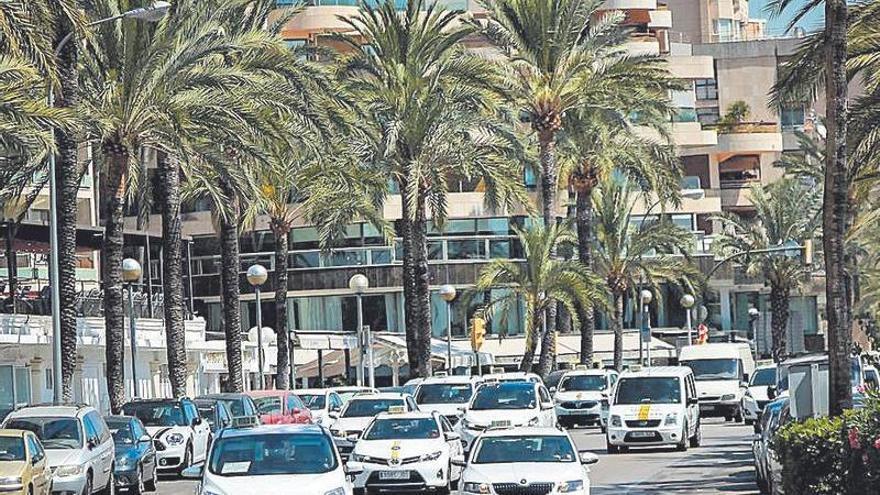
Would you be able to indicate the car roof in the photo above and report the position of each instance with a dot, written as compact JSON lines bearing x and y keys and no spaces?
{"x":405,"y":415}
{"x":13,"y":433}
{"x":381,"y":395}
{"x":450,"y":379}
{"x":120,"y":417}
{"x":766,"y":367}
{"x":589,"y":372}
{"x":272,"y":429}
{"x":352,"y":388}
{"x":658,"y":371}
{"x":525,"y":431}
{"x":269,"y":393}
{"x":314,"y":391}
{"x":157,"y":400}
{"x":48,"y":411}
{"x":224,"y":395}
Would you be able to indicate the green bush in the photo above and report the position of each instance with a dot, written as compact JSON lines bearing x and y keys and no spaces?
{"x":833,"y":456}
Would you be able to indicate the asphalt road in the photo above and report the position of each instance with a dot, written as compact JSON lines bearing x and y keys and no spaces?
{"x":723,"y":465}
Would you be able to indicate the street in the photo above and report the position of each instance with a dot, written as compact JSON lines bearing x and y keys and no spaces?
{"x":722,"y":465}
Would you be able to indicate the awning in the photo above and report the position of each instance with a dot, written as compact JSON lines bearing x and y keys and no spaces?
{"x":509,"y":350}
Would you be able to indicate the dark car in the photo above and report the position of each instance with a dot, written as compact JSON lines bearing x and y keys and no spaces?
{"x":239,"y":405}
{"x":135,"y":466}
{"x":216,"y":412}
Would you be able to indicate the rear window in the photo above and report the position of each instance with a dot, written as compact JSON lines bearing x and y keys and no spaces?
{"x":55,"y":433}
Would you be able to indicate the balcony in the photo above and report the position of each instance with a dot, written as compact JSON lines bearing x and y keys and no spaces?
{"x":642,"y":45}
{"x":660,"y":19}
{"x":747,"y":137}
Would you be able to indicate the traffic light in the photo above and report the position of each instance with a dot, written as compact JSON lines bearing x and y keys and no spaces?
{"x":478,"y":333}
{"x":808,"y":252}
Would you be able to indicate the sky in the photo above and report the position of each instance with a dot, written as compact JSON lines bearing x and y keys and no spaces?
{"x":776,"y":26}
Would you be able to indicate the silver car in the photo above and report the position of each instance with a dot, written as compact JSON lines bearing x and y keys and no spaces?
{"x":77,"y":442}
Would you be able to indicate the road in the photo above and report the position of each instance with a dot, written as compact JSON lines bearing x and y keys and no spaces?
{"x":723,"y":465}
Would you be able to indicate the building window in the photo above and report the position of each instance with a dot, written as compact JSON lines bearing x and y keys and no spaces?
{"x":792,"y":117}
{"x":724,"y":30}
{"x":708,"y":115}
{"x":740,"y":171}
{"x":706,"y":89}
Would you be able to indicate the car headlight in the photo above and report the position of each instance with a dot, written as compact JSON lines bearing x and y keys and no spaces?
{"x":69,"y":470}
{"x":728,"y":397}
{"x":337,"y":433}
{"x":615,"y":421}
{"x":11,"y":482}
{"x":571,"y":486}
{"x":471,"y":487}
{"x":174,"y":439}
{"x":432,"y":456}
{"x":534,"y":421}
{"x":671,"y":419}
{"x":336,"y":491}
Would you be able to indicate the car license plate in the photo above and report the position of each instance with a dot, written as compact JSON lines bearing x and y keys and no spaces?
{"x":500,"y":424}
{"x":393,"y":475}
{"x":707,"y":407}
{"x":642,"y":434}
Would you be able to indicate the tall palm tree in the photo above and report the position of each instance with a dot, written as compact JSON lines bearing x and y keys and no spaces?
{"x":787,"y":213}
{"x":627,"y":254}
{"x":431,"y":110}
{"x":541,"y":281}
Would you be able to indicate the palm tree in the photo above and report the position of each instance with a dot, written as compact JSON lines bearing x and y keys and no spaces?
{"x":628,"y":255}
{"x":787,"y":212}
{"x":431,"y":112}
{"x":541,"y":281}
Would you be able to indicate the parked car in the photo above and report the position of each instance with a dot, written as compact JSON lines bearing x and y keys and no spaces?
{"x":280,"y":407}
{"x":322,"y":402}
{"x":24,"y":469}
{"x":136,"y":468}
{"x":767,"y":427}
{"x":756,"y":397}
{"x":215,"y":412}
{"x":241,"y":406}
{"x":77,"y":442}
{"x":180,"y":436}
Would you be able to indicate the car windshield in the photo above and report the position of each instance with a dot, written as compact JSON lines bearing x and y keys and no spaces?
{"x":502,"y":450}
{"x":206,"y":411}
{"x":403,"y":429}
{"x":156,"y":413}
{"x":714,"y":369}
{"x":55,"y":433}
{"x":313,"y":401}
{"x":764,"y":377}
{"x":11,"y":449}
{"x":582,"y":383}
{"x":236,"y":406}
{"x":121,"y":431}
{"x":444,"y":393}
{"x":648,"y":390}
{"x":509,"y":395}
{"x":279,"y":453}
{"x":363,"y":408}
{"x":268,"y":405}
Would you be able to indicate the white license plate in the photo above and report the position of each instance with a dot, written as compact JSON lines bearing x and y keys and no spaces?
{"x":500,"y":424}
{"x":642,"y":434}
{"x":707,"y":408}
{"x":393,"y":475}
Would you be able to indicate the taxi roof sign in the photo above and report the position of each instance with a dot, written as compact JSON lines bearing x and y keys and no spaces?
{"x":396,"y":410}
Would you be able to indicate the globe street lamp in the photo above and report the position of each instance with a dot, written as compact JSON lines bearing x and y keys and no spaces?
{"x":153,"y":13}
{"x":687,"y":302}
{"x":645,"y":296}
{"x":131,"y":274}
{"x":256,"y":276}
{"x":359,"y":284}
{"x":447,"y":292}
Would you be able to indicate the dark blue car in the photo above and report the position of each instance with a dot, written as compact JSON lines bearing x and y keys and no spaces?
{"x":135,"y":467}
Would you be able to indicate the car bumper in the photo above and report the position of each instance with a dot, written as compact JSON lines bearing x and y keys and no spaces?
{"x":644,"y":436}
{"x":126,"y":478}
{"x":420,"y":477}
{"x":68,"y":485}
{"x":171,"y":457}
{"x":589,"y":415}
{"x":716,"y":409}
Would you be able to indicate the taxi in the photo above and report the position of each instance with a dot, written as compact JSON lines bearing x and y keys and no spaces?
{"x":407,"y":452}
{"x":581,"y":397}
{"x":446,"y":394}
{"x":357,"y":414}
{"x":525,"y":461}
{"x":24,"y":469}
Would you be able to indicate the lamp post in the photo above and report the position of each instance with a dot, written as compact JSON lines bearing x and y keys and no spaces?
{"x":447,"y":292}
{"x":152,"y":13}
{"x":359,"y":284}
{"x":754,"y":314}
{"x":131,"y":273}
{"x":256,"y":276}
{"x":646,"y":296}
{"x":687,"y":302}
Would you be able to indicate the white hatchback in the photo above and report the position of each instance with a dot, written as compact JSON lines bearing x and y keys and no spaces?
{"x":526,"y":460}
{"x":582,"y":397}
{"x":446,"y":395}
{"x":506,"y":405}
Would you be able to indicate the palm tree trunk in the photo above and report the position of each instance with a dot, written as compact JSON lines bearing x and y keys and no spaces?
{"x":779,"y":295}
{"x":617,"y":326}
{"x":111,"y":263}
{"x":67,"y":179}
{"x":411,"y":320}
{"x":836,"y":209}
{"x":280,"y":230}
{"x":584,"y":220}
{"x":536,"y":322}
{"x":229,"y":267}
{"x":547,"y":151}
{"x":11,"y":262}
{"x":172,"y":273}
{"x":422,"y":286}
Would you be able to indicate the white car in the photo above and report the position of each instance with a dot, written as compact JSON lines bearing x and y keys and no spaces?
{"x":273,"y":460}
{"x":756,"y":397}
{"x":347,"y":392}
{"x":181,"y":437}
{"x":654,"y":406}
{"x":527,"y":460}
{"x":78,"y":445}
{"x":720,"y":370}
{"x":322,"y":402}
{"x":506,"y":405}
{"x":357,"y":414}
{"x":407,"y":452}
{"x":446,"y":395}
{"x":582,"y":397}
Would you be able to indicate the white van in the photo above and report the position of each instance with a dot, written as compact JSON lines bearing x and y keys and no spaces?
{"x":654,"y":406}
{"x":722,"y":373}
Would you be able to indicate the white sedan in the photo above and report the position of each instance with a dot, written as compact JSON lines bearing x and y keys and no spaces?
{"x":407,"y":452}
{"x":526,"y":460}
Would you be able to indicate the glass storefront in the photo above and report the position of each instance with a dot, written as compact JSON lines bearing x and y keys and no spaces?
{"x":15,"y":388}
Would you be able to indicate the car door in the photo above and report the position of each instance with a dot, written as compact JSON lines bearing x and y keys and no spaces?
{"x":201,"y":430}
{"x":456,"y":450}
{"x":41,"y":474}
{"x":107,"y":447}
{"x":545,"y":403}
{"x":95,"y":455}
{"x":148,"y":453}
{"x":691,"y":405}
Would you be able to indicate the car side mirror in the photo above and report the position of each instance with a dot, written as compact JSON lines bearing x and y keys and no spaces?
{"x":92,"y":443}
{"x":354,"y":437}
{"x":546,"y":405}
{"x":771,"y":392}
{"x":693,"y":401}
{"x":145,"y":439}
{"x":196,"y":421}
{"x":588,"y":458}
{"x":743,"y":384}
{"x":746,"y":377}
{"x":333,"y":414}
{"x":451,"y":436}
{"x":552,"y":390}
{"x":458,"y":461}
{"x":192,"y":472}
{"x":354,"y":468}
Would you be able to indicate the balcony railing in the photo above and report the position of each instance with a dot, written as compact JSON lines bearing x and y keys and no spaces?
{"x":745,"y":128}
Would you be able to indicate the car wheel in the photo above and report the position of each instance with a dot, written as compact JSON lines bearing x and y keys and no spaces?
{"x":110,"y":488}
{"x":87,"y":489}
{"x":613,"y":449}
{"x":697,"y":439}
{"x":682,"y":446}
{"x":738,"y":417}
{"x":187,"y":458}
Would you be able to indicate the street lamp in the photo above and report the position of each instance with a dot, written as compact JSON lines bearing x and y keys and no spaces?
{"x":359,"y":284}
{"x":754,"y":314}
{"x":256,"y":276}
{"x":148,"y":14}
{"x":131,"y":273}
{"x":687,"y":302}
{"x":447,"y":292}
{"x":645,"y":296}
